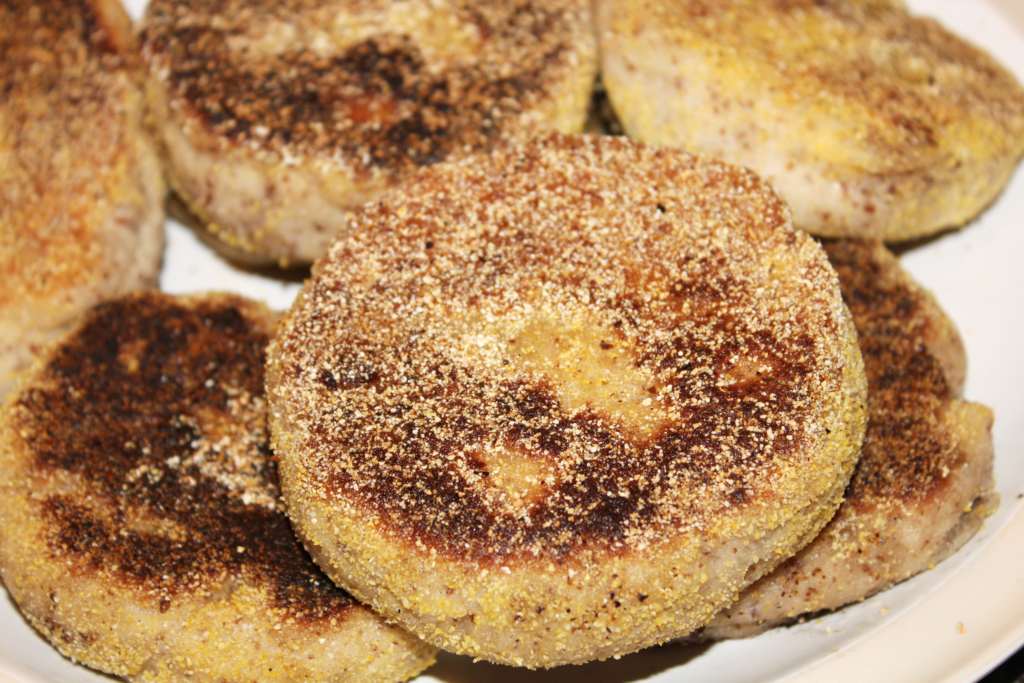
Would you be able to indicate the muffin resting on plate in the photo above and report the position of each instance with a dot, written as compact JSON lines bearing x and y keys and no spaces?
{"x":870,"y":122}
{"x":923,"y":484}
{"x":564,"y":401}
{"x":81,"y":191}
{"x":280,"y":117}
{"x":143,"y":532}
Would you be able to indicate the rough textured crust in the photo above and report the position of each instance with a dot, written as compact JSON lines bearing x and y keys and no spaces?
{"x":870,"y":122}
{"x":143,"y":532}
{"x":279,"y":117}
{"x":81,"y":191}
{"x":564,"y":401}
{"x":923,"y":485}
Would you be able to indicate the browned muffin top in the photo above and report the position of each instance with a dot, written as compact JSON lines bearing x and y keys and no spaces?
{"x":576,"y":342}
{"x":908,"y":453}
{"x":155,"y":406}
{"x":64,"y":91}
{"x":356,"y":81}
{"x":923,"y":485}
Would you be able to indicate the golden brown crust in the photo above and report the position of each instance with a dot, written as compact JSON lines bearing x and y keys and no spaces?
{"x":54,"y":98}
{"x":909,"y":74}
{"x":907,"y":454}
{"x":580,"y":353}
{"x":378,"y":100}
{"x":353,"y":96}
{"x":80,"y":187}
{"x":170,"y":386}
{"x":144,"y":443}
{"x":923,"y":484}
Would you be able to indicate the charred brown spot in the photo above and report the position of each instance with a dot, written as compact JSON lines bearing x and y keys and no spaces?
{"x":906,"y":447}
{"x":411,"y":466}
{"x":158,"y":446}
{"x":377,"y":103}
{"x":327,"y":379}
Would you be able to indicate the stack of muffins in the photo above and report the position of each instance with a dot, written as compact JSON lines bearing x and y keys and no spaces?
{"x":545,"y":397}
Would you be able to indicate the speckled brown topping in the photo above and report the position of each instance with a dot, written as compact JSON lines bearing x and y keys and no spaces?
{"x":634,"y":335}
{"x":923,"y":485}
{"x":348,"y":81}
{"x":64,"y":92}
{"x":157,"y":406}
{"x":908,"y":453}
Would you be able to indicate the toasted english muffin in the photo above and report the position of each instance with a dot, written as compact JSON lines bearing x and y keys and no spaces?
{"x":870,"y":122}
{"x":81,"y":191}
{"x":923,"y":485}
{"x":564,"y":401}
{"x":143,"y":532}
{"x":280,"y":117}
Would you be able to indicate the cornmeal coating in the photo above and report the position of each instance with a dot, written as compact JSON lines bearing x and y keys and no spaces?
{"x":871,"y":123}
{"x":81,"y":190}
{"x":280,"y":117}
{"x":923,"y":485}
{"x":564,"y":401}
{"x":142,"y":530}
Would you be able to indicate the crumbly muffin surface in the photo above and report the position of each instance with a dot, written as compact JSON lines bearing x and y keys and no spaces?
{"x":81,"y":189}
{"x":143,"y":532}
{"x":542,"y":398}
{"x":923,"y":485}
{"x":279,"y":116}
{"x":871,"y":122}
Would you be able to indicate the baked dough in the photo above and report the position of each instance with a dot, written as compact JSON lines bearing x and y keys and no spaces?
{"x":870,"y":122}
{"x":279,"y":117}
{"x":923,"y":485}
{"x":564,"y":401}
{"x":143,"y":532}
{"x":81,"y":190}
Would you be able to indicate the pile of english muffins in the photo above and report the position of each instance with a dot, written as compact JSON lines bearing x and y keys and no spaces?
{"x":547,"y":396}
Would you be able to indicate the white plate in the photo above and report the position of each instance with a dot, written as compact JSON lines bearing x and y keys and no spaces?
{"x":950,"y":625}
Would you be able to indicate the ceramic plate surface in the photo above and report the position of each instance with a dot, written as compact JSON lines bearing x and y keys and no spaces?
{"x":949,"y":625}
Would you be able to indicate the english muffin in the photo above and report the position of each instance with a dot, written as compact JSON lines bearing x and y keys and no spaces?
{"x":923,"y":485}
{"x":871,"y":123}
{"x":143,"y":532}
{"x":564,"y":401}
{"x":81,"y":191}
{"x":279,"y":117}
